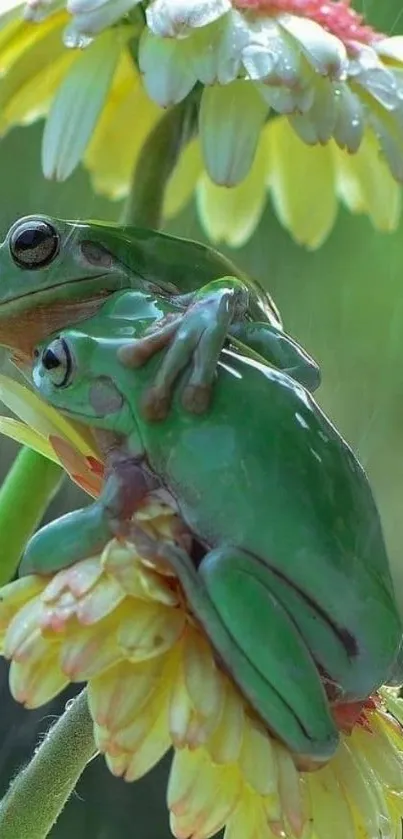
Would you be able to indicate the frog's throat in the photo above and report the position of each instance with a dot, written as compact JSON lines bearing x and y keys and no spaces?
{"x":22,"y":329}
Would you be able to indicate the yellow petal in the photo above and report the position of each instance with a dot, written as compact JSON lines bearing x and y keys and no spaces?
{"x":19,"y":40}
{"x":201,"y":796}
{"x":385,"y":760}
{"x":29,"y":53}
{"x":112,"y":153}
{"x":203,"y":680}
{"x":183,"y":179}
{"x":290,"y":790}
{"x":117,"y":696}
{"x":347,"y":769}
{"x":248,"y":820}
{"x":149,"y":629}
{"x":123,"y":563}
{"x":225,"y":743}
{"x":39,"y":679}
{"x":22,"y":433}
{"x":42,"y":417}
{"x":231,"y":215}
{"x":88,"y":651}
{"x":330,"y":809}
{"x":180,"y":706}
{"x":257,"y":760}
{"x":152,"y":749}
{"x":302,"y":184}
{"x":14,"y":596}
{"x":366,"y":185}
{"x":23,"y":631}
{"x":79,"y":579}
{"x":33,"y":98}
{"x":130,"y":738}
{"x":188,"y":727}
{"x":116,"y":763}
{"x":103,"y":599}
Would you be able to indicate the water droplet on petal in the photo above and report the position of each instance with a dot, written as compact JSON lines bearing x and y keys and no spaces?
{"x":76,"y":40}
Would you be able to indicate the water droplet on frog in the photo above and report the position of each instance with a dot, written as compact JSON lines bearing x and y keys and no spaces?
{"x":355,"y":122}
{"x":69,"y":704}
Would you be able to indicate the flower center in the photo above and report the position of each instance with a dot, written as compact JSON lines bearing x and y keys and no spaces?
{"x":336,"y":16}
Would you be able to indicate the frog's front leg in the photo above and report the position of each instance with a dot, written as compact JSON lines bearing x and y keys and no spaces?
{"x":256,"y":639}
{"x":85,"y":532}
{"x":197,"y":334}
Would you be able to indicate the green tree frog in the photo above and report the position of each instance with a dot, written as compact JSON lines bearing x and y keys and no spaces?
{"x":288,"y":573}
{"x":54,"y":273}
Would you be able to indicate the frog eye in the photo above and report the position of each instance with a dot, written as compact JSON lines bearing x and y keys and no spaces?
{"x":34,"y":244}
{"x":57,"y":361}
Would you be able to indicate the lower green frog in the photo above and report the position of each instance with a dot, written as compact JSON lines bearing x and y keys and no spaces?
{"x":289,"y":574}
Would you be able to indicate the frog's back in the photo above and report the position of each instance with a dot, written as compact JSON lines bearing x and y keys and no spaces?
{"x":183,"y":263}
{"x":265,"y":471}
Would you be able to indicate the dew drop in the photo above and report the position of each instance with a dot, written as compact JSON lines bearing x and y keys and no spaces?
{"x":76,"y":40}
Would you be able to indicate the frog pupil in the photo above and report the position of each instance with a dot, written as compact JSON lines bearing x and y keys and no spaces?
{"x":50,"y":360}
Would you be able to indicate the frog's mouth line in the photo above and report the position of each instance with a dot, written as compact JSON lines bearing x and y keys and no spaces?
{"x":13,"y":304}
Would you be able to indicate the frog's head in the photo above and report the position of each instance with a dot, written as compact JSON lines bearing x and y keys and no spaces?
{"x":65,"y":374}
{"x":55,"y":272}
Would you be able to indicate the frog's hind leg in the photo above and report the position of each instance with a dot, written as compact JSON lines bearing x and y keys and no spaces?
{"x":256,"y":639}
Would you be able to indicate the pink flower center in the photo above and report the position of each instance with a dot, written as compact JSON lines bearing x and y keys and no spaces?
{"x":336,"y":16}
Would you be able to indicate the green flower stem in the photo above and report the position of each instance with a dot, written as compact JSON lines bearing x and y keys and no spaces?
{"x":25,"y":494}
{"x":38,"y":794}
{"x":156,"y":162}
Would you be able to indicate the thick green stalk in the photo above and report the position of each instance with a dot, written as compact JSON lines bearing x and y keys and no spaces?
{"x":156,"y":162}
{"x":38,"y":794}
{"x":25,"y":494}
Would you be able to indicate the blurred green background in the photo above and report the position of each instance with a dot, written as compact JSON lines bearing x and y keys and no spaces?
{"x":345,"y":304}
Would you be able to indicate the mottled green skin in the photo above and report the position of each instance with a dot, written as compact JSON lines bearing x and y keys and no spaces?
{"x":37,"y":301}
{"x":296,"y":574}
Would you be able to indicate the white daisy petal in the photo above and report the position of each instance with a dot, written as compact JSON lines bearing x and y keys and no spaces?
{"x":286,"y":101}
{"x":175,"y":18}
{"x":391,"y":145}
{"x":324,"y":51}
{"x":92,"y":16}
{"x":77,"y":106}
{"x":391,"y":48}
{"x":168,"y":74}
{"x":231,"y":118}
{"x":350,"y":119}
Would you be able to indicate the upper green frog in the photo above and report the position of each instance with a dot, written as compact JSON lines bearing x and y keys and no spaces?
{"x":288,"y":573}
{"x":54,"y":273}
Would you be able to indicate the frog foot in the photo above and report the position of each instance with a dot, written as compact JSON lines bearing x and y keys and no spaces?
{"x":195,"y":337}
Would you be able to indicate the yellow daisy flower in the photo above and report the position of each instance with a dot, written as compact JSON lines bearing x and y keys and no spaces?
{"x":153,"y":683}
{"x":121,"y":624}
{"x":300,"y":100}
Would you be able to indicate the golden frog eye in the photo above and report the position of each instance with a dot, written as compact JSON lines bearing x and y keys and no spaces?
{"x":34,"y":244}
